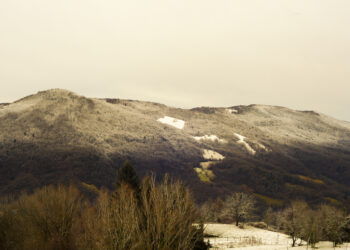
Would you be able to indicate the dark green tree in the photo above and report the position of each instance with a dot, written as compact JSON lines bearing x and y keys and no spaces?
{"x":127,"y":175}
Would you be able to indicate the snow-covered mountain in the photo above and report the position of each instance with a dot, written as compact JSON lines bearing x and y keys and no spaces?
{"x":275,"y":152}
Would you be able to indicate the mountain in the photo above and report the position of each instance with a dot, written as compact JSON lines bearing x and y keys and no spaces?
{"x":277,"y":153}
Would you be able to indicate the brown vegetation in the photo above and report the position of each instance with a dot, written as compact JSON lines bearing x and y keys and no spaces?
{"x":313,"y":225}
{"x":60,"y":218}
{"x":236,"y":207}
{"x":301,"y":222}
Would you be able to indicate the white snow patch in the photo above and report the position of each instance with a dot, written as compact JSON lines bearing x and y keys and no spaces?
{"x":209,"y":138}
{"x":246,"y":145}
{"x":212,"y":155}
{"x":172,"y":122}
{"x":240,"y":137}
{"x":264,"y":147}
{"x":232,"y":111}
{"x":230,"y":236}
{"x":250,"y":238}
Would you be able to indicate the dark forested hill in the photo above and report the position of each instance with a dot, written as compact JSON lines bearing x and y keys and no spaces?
{"x":277,"y":153}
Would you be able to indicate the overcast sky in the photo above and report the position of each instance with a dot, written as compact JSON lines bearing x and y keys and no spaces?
{"x":183,"y":53}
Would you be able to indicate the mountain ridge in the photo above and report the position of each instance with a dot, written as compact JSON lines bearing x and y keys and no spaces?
{"x":57,"y":135}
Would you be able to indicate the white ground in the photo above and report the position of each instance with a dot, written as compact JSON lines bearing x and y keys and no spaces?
{"x":232,"y":111}
{"x":250,"y":238}
{"x":212,"y":138}
{"x":206,"y":164}
{"x":263,"y":147}
{"x":212,"y":155}
{"x":172,"y":122}
{"x":246,"y":145}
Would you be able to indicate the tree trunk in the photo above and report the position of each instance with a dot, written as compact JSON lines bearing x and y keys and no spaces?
{"x":237,"y":221}
{"x":294,"y":239}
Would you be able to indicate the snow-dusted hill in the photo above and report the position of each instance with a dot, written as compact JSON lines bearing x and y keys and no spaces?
{"x":275,"y":152}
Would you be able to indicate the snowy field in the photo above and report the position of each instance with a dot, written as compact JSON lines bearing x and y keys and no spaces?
{"x":212,"y":138}
{"x":232,"y":111}
{"x":212,"y":155}
{"x":177,"y":123}
{"x":251,"y":238}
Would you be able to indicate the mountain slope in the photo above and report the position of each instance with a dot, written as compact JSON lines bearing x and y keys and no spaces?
{"x":275,"y":152}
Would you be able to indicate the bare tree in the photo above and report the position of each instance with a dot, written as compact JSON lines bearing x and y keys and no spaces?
{"x":114,"y":222}
{"x":269,"y":217}
{"x":162,"y":219}
{"x":239,"y":206}
{"x":167,"y":216}
{"x":50,"y":216}
{"x":333,"y":222}
{"x":211,"y":210}
{"x":291,"y":219}
{"x":311,"y":227}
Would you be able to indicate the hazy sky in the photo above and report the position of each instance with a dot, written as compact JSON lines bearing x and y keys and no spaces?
{"x":182,"y":53}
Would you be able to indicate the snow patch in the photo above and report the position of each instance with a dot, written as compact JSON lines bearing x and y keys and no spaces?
{"x":232,"y":111}
{"x":230,"y":236}
{"x":264,"y":147}
{"x":209,"y":138}
{"x":246,"y":145}
{"x":212,"y":155}
{"x":172,"y":122}
{"x":249,"y":238}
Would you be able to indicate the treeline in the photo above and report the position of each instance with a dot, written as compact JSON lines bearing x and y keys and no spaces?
{"x":137,"y":215}
{"x":312,"y":225}
{"x":301,"y":222}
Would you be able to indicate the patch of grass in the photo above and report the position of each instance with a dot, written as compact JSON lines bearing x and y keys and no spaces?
{"x":292,"y":186}
{"x":204,"y":175}
{"x":309,"y":179}
{"x":92,"y":188}
{"x":332,"y":201}
{"x":269,"y":200}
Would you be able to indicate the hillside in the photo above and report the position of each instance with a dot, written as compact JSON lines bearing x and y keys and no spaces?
{"x":277,"y":153}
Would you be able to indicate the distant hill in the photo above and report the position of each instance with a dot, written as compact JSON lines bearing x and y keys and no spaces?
{"x":275,"y":152}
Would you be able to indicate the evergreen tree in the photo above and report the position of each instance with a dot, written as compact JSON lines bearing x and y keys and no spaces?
{"x":127,"y":175}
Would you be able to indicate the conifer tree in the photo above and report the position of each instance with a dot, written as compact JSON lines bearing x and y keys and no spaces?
{"x":127,"y":175}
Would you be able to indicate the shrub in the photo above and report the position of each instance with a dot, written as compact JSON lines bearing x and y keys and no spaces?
{"x":51,"y":214}
{"x":58,"y":218}
{"x":47,"y":219}
{"x":162,"y":219}
{"x":259,"y":224}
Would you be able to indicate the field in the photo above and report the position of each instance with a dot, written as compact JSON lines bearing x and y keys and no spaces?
{"x":231,"y":237}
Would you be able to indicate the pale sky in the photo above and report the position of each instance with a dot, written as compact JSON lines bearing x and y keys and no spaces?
{"x":183,"y":53}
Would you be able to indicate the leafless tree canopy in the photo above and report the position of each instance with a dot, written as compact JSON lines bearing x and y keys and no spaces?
{"x":58,"y":218}
{"x":239,"y":206}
